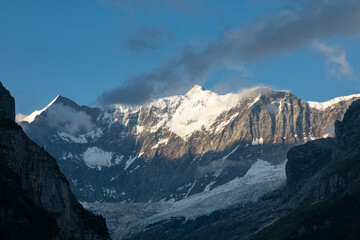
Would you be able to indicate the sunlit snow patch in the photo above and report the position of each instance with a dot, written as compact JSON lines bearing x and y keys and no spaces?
{"x":36,"y":113}
{"x":129,"y":162}
{"x":324,"y":105}
{"x":96,"y":158}
{"x":258,"y":141}
{"x":261,"y":178}
{"x":199,"y":109}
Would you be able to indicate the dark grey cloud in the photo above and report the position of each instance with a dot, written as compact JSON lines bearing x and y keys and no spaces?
{"x":147,"y":38}
{"x":135,"y":91}
{"x":279,"y":33}
{"x":264,"y":36}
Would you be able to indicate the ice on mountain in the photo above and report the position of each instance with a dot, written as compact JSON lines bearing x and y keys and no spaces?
{"x":260,"y":179}
{"x":324,"y":105}
{"x":95,"y":157}
{"x":200,"y":108}
{"x":36,"y":113}
{"x":258,"y":141}
{"x":160,"y":142}
{"x":129,"y":161}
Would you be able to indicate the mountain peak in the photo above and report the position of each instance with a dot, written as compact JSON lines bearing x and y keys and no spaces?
{"x":56,"y":100}
{"x":195,"y":89}
{"x":63,"y":100}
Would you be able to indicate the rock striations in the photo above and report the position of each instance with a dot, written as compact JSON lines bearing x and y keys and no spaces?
{"x":323,"y":187}
{"x":41,"y":183}
{"x":321,"y":198}
{"x":183,"y":157}
{"x":174,"y":147}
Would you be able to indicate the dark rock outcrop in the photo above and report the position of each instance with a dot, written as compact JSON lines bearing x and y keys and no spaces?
{"x":7,"y":104}
{"x":45,"y":186}
{"x":321,"y":199}
{"x":20,"y":218}
{"x":323,"y":187}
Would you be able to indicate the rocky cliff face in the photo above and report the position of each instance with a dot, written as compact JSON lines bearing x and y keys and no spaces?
{"x":323,"y":186}
{"x":45,"y":185}
{"x":181,"y":156}
{"x":7,"y":104}
{"x":319,"y":201}
{"x":20,"y":218}
{"x":177,"y":146}
{"x":327,"y":165}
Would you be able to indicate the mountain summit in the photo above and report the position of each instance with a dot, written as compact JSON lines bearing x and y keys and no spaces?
{"x":196,"y":129}
{"x":181,"y":150}
{"x":39,"y":194}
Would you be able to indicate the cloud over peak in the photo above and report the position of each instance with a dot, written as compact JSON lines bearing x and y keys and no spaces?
{"x":267,"y":35}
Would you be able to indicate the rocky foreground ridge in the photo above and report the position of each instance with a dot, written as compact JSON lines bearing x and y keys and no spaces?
{"x":35,"y":197}
{"x":323,"y":186}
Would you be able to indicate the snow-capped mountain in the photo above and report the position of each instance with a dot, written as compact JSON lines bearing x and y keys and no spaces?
{"x":177,"y":150}
{"x":176,"y":146}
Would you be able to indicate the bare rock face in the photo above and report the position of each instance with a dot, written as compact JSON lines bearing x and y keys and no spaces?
{"x":43,"y":182}
{"x":176,"y":146}
{"x":7,"y":103}
{"x":348,"y":130}
{"x":327,"y":165}
{"x":319,"y":201}
{"x":321,"y":196}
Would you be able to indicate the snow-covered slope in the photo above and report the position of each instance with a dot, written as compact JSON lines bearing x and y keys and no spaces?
{"x":191,"y":143}
{"x":182,"y":154}
{"x":324,"y":105}
{"x":36,"y":113}
{"x":260,"y":179}
{"x":199,"y":109}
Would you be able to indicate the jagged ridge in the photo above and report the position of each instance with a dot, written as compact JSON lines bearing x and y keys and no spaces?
{"x":323,"y":187}
{"x":168,"y":138}
{"x":46,"y":187}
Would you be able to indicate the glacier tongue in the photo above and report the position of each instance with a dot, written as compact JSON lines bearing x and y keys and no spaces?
{"x":130,"y":218}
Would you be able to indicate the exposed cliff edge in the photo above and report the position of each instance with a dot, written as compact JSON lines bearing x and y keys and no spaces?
{"x":192,"y":142}
{"x":321,"y":198}
{"x":182,"y":154}
{"x":7,"y":104}
{"x":323,"y":186}
{"x":36,"y":177}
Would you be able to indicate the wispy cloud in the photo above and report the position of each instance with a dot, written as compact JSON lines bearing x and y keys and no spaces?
{"x":19,"y":117}
{"x":68,"y":120}
{"x":147,"y":38}
{"x":335,"y":58}
{"x":267,"y":35}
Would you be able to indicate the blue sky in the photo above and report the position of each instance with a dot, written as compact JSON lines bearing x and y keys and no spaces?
{"x":106,"y":51}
